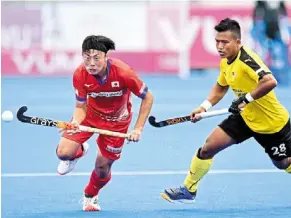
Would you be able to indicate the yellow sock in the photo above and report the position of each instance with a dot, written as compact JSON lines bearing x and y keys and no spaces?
{"x":288,"y":170}
{"x":198,"y":169}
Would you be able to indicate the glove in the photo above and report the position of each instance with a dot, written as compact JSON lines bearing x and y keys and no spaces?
{"x":237,"y":104}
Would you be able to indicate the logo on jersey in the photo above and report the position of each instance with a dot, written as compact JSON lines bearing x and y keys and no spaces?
{"x":105,"y":94}
{"x":113,"y":149}
{"x":248,"y":60}
{"x":88,"y":85}
{"x":238,"y":92}
{"x":114,"y":84}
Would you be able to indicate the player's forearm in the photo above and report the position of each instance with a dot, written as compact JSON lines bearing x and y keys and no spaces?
{"x":216,"y":94}
{"x":144,"y":111}
{"x":79,"y":113}
{"x":265,"y":85}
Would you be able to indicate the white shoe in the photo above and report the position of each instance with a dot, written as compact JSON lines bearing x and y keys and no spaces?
{"x":91,"y":204}
{"x":68,"y":165}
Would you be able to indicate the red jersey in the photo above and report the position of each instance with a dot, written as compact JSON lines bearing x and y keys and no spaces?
{"x":109,"y":98}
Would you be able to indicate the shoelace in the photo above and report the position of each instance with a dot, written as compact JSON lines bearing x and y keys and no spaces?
{"x":179,"y":190}
{"x":68,"y":162}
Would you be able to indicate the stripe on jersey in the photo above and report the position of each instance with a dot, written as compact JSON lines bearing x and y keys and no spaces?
{"x":80,"y":99}
{"x":144,"y":92}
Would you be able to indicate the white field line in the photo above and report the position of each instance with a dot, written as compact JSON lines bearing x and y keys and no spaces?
{"x":143,"y":173}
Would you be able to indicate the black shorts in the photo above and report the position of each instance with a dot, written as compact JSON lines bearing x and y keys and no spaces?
{"x":276,"y":145}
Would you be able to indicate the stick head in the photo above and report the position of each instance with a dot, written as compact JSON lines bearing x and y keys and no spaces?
{"x":20,"y":114}
{"x":21,"y":111}
{"x":152,"y":121}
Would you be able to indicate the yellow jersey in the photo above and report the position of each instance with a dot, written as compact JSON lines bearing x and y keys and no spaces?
{"x":265,"y":115}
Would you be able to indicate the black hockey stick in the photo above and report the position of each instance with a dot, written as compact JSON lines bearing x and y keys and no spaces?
{"x":176,"y":120}
{"x":171,"y":121}
{"x":62,"y":124}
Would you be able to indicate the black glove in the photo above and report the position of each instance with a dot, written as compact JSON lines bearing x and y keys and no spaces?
{"x":235,"y":103}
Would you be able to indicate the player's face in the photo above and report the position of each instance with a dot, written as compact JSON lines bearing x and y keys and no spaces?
{"x":227,"y":44}
{"x":95,"y":61}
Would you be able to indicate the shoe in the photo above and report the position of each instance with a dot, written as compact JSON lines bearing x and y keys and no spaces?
{"x":68,"y":165}
{"x":91,"y":204}
{"x":180,"y":194}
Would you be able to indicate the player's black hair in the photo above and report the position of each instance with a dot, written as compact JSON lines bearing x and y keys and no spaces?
{"x":100,"y":43}
{"x":229,"y":25}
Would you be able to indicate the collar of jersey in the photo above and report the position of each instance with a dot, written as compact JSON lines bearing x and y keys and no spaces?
{"x":238,"y":54}
{"x":103,"y":81}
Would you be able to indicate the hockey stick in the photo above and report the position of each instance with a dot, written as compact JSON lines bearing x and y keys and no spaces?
{"x":62,"y":125}
{"x":176,"y":120}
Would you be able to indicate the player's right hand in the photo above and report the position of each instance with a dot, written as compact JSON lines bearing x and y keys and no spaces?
{"x":195,"y":117}
{"x":72,"y":128}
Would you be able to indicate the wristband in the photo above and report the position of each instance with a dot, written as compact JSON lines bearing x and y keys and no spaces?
{"x":249,"y":97}
{"x":206,"y":105}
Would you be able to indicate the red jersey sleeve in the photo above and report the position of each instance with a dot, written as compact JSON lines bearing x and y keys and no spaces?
{"x":78,"y":84}
{"x":135,"y":84}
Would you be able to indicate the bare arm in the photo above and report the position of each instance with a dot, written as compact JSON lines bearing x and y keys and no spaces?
{"x":217,"y":93}
{"x":80,"y":112}
{"x":144,"y":111}
{"x":265,"y":85}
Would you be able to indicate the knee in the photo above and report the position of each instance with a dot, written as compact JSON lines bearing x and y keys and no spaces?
{"x":103,"y":166}
{"x":206,"y":151}
{"x":62,"y":153}
{"x":282,"y":165}
{"x":103,"y":169}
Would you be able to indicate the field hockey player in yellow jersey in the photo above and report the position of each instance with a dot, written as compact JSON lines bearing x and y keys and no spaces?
{"x":262,"y":117}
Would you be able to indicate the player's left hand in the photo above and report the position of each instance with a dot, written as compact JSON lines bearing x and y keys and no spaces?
{"x":134,"y":135}
{"x":238,"y":104}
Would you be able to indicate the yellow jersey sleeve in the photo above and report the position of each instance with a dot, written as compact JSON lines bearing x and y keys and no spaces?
{"x":221,"y":78}
{"x":253,"y":64}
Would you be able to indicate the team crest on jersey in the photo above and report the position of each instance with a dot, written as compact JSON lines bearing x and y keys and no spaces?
{"x":114,"y":84}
